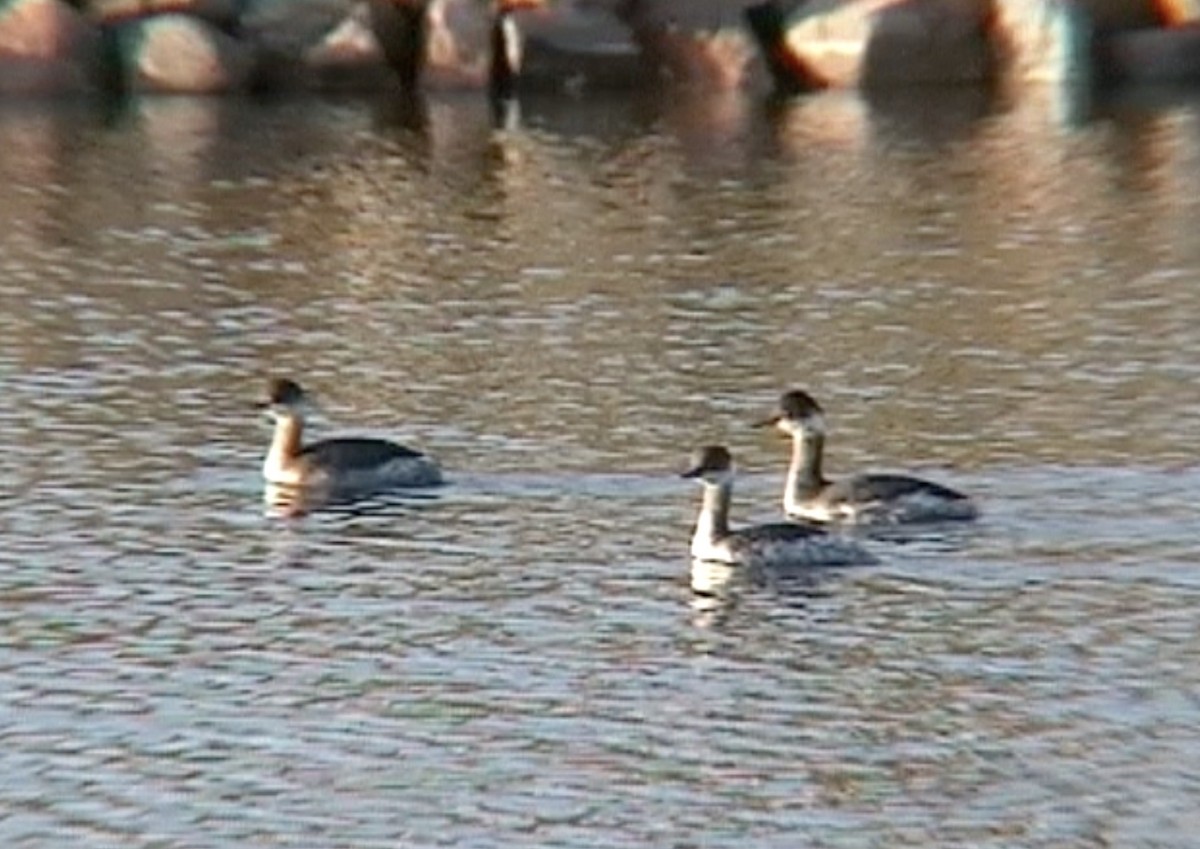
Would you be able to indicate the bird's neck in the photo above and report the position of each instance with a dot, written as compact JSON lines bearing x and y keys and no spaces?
{"x":804,"y":477}
{"x":713,"y":523}
{"x":285,"y":444}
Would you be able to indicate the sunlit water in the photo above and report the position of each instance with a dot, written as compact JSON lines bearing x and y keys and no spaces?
{"x":1000,"y":295}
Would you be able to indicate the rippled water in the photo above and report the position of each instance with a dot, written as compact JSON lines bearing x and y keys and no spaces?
{"x":1001,"y":295}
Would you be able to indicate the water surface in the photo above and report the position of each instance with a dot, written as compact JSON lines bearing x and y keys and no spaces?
{"x":998,"y":294}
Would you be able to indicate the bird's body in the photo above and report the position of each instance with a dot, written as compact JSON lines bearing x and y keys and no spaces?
{"x":347,"y":464}
{"x":775,"y":545}
{"x":861,"y":499}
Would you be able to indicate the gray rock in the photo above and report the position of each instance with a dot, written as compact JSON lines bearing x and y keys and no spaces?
{"x":1152,"y":55}
{"x":579,"y":46}
{"x":290,"y":28}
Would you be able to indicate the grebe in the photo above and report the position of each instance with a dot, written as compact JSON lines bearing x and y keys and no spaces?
{"x":338,"y":465}
{"x":863,"y":499}
{"x":763,"y":546}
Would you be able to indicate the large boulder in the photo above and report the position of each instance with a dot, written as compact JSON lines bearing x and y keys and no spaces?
{"x":181,"y":54}
{"x":883,"y":43}
{"x":47,"y":47}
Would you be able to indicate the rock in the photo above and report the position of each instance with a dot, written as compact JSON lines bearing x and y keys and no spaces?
{"x":349,"y":56}
{"x":457,"y":44}
{"x":181,"y":54}
{"x":1056,"y":41}
{"x":883,"y":43}
{"x":1046,"y":43}
{"x":460,"y":44}
{"x":46,"y":48}
{"x":288,"y":29}
{"x":1178,"y":13}
{"x":790,"y":72}
{"x":572,"y":46}
{"x":931,"y":41}
{"x":700,"y":42}
{"x":315,"y":44}
{"x":1151,"y":55}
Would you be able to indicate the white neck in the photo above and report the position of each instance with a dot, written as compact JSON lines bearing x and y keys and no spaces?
{"x":804,"y":478}
{"x":712,"y":526}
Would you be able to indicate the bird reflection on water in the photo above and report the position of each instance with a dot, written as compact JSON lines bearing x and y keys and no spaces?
{"x":718,"y":589}
{"x":291,"y":502}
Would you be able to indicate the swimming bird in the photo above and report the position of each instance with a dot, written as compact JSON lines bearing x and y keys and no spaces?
{"x":781,"y":544}
{"x":351,"y":464}
{"x":863,"y":499}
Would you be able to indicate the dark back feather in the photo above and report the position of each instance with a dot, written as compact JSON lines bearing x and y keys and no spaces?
{"x":866,"y":488}
{"x":356,"y":452}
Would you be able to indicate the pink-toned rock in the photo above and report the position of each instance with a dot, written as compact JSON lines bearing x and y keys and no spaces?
{"x":181,"y":54}
{"x":457,"y":44}
{"x":349,"y":56}
{"x":1178,"y":13}
{"x":881,"y":43}
{"x":1165,"y":54}
{"x":313,"y":43}
{"x":46,"y":47}
{"x":699,"y":43}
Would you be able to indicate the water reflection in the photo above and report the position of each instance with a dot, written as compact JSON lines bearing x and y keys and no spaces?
{"x":293,"y":502}
{"x":714,"y":581}
{"x":911,"y":118}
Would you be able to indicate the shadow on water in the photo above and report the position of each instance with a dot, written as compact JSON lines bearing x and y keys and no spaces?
{"x":932,"y":537}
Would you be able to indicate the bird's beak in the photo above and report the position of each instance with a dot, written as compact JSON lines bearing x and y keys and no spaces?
{"x":692,"y":473}
{"x":769,"y":422}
